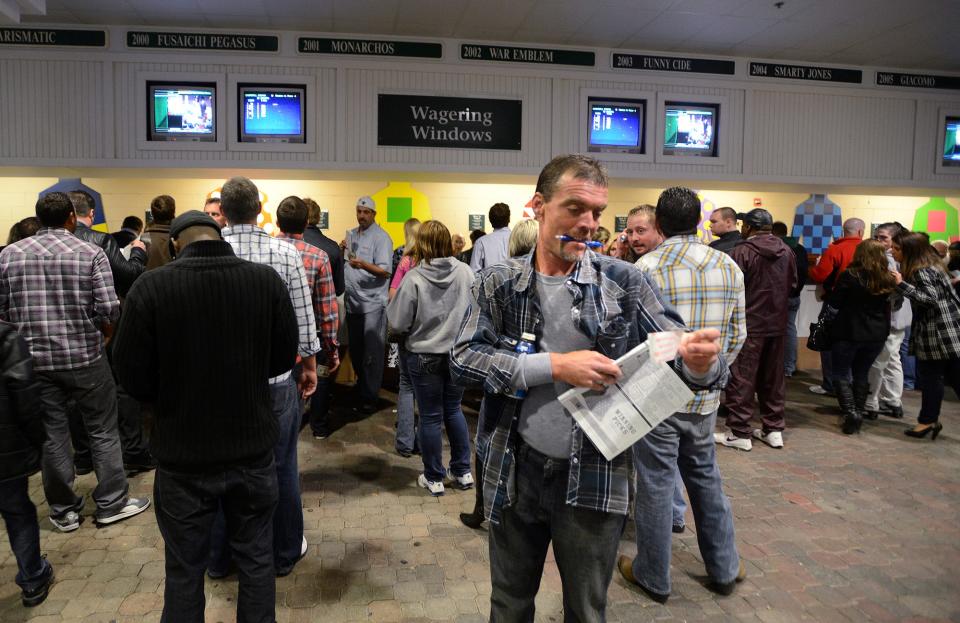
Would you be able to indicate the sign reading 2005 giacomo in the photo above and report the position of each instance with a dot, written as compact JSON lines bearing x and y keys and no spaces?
{"x":457,"y":122}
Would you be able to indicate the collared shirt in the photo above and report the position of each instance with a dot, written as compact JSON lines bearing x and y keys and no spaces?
{"x":58,"y":291}
{"x":490,"y":249}
{"x":365,"y":292}
{"x":704,"y":286}
{"x":253,"y":244}
{"x":615,"y":306}
{"x":320,"y":279}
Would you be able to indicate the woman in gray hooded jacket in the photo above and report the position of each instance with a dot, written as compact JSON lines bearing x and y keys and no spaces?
{"x":429,"y":307}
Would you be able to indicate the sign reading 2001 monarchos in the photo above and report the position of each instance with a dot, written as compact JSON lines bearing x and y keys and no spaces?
{"x":369,"y":47}
{"x":458,"y":122}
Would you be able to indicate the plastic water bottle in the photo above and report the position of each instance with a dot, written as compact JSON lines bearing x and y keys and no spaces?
{"x":526,"y":345}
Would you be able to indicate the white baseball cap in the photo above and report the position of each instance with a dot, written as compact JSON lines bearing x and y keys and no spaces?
{"x":366,"y":202}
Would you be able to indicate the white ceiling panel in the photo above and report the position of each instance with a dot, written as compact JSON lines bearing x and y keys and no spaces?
{"x":918,"y":33}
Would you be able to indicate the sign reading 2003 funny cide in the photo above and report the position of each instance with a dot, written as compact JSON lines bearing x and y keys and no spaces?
{"x":457,"y":122}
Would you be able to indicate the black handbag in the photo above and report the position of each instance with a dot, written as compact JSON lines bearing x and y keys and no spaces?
{"x":819,"y":339}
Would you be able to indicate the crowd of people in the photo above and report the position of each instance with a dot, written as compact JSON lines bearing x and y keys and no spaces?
{"x":109,"y":342}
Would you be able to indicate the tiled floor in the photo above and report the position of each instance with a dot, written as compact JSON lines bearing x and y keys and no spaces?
{"x":833,"y":528}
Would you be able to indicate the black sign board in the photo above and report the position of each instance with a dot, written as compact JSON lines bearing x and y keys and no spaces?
{"x":917,"y":81}
{"x":673,"y":63}
{"x":619,"y":223}
{"x":477,"y":221}
{"x":510,"y":54}
{"x":805,"y":72}
{"x":459,"y":122}
{"x":53,"y":36}
{"x":324,"y":222}
{"x":203,"y":41}
{"x":369,"y":47}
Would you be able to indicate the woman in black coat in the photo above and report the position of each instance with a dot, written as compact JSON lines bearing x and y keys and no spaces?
{"x":21,"y":439}
{"x":862,"y":298}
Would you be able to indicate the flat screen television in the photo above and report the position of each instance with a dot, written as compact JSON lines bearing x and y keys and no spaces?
{"x":185,"y":111}
{"x":951,"y":142}
{"x":272,"y":113}
{"x":690,"y":129}
{"x":616,"y":126}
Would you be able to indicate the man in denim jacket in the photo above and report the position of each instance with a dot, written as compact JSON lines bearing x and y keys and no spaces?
{"x":543,"y":480}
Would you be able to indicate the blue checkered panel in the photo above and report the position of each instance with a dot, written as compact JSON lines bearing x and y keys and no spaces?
{"x":817,"y":222}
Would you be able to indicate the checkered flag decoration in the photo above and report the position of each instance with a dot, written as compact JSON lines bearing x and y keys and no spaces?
{"x":817,"y":222}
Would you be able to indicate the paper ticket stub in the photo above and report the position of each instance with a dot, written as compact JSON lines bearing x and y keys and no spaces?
{"x":664,"y":345}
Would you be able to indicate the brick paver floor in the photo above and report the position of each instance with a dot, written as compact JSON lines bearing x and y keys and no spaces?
{"x":832,"y":528}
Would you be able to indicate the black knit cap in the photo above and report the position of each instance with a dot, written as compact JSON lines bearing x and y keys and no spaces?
{"x":191,"y":218}
{"x":757,"y":217}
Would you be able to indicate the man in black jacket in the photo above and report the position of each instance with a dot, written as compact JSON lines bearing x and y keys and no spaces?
{"x":313,"y":235}
{"x":793,"y":303}
{"x":130,"y":230}
{"x":21,"y":442}
{"x":723,"y":225}
{"x":206,"y":321}
{"x":136,"y":457}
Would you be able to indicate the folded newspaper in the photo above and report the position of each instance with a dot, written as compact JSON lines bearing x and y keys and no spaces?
{"x":648,"y":393}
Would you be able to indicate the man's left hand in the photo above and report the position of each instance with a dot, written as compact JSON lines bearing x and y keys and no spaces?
{"x":700,"y":349}
{"x":307,"y":383}
{"x":359,"y":264}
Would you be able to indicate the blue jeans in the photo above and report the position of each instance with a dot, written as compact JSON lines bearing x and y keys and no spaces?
{"x":368,"y":339}
{"x":320,"y":406}
{"x":854,"y":359}
{"x":406,"y":418}
{"x":679,"y":504}
{"x":909,"y":363}
{"x":584,"y":544}
{"x":187,"y":505}
{"x":288,"y":517}
{"x":20,"y":516}
{"x":684,"y":440}
{"x":790,"y":347}
{"x":439,"y":400}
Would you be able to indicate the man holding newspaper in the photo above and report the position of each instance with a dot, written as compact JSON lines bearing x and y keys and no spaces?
{"x":543,"y":479}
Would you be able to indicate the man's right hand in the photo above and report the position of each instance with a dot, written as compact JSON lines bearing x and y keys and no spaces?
{"x":138,"y":244}
{"x":585,"y":368}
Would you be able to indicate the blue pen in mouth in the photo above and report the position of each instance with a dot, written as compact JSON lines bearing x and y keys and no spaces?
{"x":593,"y":244}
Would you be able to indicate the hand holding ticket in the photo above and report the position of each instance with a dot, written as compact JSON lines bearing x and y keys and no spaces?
{"x":700,"y":349}
{"x":664,"y":345}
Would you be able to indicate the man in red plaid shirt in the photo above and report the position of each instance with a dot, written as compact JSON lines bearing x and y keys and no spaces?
{"x":292,"y":219}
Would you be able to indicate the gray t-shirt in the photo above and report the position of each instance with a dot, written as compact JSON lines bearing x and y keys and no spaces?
{"x":544,"y":424}
{"x":363,"y":291}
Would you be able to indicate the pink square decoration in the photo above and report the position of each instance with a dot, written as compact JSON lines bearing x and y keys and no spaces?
{"x":936,"y":221}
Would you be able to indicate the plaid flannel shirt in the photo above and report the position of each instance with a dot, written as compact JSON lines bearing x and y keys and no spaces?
{"x":316,"y":263}
{"x":936,"y":315}
{"x":58,"y":291}
{"x":253,"y":244}
{"x":615,"y":305}
{"x":704,"y":286}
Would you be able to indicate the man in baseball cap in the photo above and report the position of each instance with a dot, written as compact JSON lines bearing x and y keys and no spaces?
{"x":756,"y":375}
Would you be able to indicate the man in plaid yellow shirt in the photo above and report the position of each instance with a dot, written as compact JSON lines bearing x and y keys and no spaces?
{"x":705,"y":287}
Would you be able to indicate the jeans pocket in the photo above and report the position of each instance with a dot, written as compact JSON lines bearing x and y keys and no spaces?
{"x":177,"y":496}
{"x":430,"y":364}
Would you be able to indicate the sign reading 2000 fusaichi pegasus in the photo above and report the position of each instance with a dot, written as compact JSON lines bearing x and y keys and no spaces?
{"x":458,"y":122}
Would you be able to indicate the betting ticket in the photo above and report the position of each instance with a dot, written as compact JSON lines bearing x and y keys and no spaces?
{"x":648,"y":393}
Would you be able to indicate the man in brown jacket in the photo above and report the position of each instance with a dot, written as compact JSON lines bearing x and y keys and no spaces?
{"x":769,"y":274}
{"x":163,"y":208}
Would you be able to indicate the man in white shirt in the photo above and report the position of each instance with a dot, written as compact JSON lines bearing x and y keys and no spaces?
{"x":492,"y":248}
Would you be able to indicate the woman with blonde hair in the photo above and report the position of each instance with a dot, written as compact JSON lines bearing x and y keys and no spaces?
{"x":429,"y":307}
{"x":862,"y":298}
{"x":935,"y":339}
{"x":523,"y":237}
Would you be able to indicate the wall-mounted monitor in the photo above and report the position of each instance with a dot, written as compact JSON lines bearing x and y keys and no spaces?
{"x":617,"y":126}
{"x":690,"y":129}
{"x":951,"y":141}
{"x":183,"y":111}
{"x":271,"y":113}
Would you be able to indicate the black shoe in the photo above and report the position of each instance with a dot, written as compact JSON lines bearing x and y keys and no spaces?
{"x":850,"y":419}
{"x":472,"y":520}
{"x":678,"y":528}
{"x":38,"y":595}
{"x":215,"y":574}
{"x":404,"y":453}
{"x":82,"y":467}
{"x":625,"y":566}
{"x":726,"y":588}
{"x":140,"y":463}
{"x":894,"y":411}
{"x":920,"y":434}
{"x":321,"y":434}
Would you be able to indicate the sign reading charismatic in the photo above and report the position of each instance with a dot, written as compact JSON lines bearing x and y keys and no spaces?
{"x":673,"y":63}
{"x":917,"y":81}
{"x":369,"y":47}
{"x":53,"y":36}
{"x":459,"y":122}
{"x":510,"y":54}
{"x":203,"y":41}
{"x":803,"y":72}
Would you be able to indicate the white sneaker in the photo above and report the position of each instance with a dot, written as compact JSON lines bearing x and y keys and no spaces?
{"x":819,"y":390}
{"x":303,"y":548}
{"x":733,"y":442}
{"x":435,"y":488}
{"x":464,"y":482}
{"x":134,"y":506}
{"x":774,"y":438}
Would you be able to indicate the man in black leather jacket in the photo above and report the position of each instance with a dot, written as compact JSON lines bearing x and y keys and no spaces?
{"x":136,"y":456}
{"x":21,"y":441}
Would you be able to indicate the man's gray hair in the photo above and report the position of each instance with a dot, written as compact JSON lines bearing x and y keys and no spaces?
{"x":240,"y":200}
{"x":853,"y":226}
